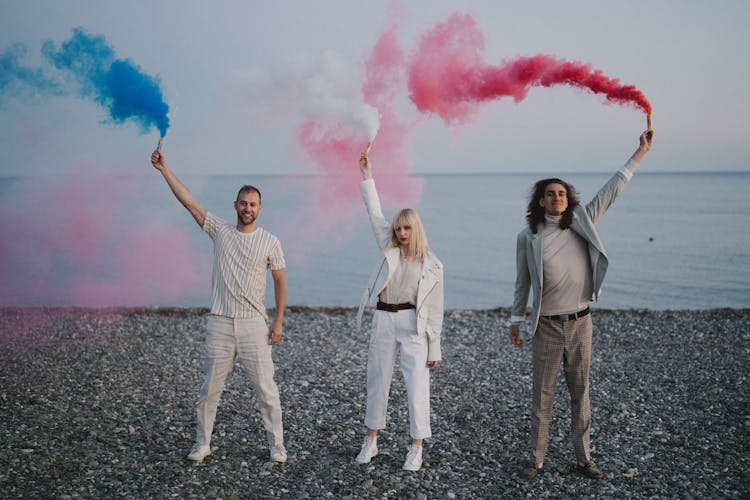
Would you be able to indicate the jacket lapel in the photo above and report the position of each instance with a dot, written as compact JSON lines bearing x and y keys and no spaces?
{"x":428,"y":280}
{"x":391,"y":256}
{"x":587,"y":233}
{"x":536,"y":249}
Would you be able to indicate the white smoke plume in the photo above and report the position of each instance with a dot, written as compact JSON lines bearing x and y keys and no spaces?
{"x":324,"y":89}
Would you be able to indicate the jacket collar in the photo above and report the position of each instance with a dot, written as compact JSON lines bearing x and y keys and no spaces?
{"x":583,"y":230}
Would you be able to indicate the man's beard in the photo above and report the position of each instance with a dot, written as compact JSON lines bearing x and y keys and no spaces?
{"x":241,"y":220}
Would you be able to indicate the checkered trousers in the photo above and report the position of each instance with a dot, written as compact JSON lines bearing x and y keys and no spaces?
{"x":555,"y":342}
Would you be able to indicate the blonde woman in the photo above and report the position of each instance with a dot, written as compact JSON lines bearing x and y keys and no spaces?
{"x":408,"y":285}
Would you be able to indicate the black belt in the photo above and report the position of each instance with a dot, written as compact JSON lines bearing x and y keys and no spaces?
{"x":382,"y":306}
{"x":569,"y":317}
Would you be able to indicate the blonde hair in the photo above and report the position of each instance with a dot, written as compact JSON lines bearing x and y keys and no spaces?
{"x":418,"y":246}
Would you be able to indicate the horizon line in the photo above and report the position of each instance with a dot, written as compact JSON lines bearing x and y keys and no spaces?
{"x":410,"y":174}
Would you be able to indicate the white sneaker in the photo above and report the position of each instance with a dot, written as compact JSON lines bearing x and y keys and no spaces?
{"x":199,"y":452}
{"x":413,"y":458}
{"x":369,"y":450}
{"x":278,"y":454}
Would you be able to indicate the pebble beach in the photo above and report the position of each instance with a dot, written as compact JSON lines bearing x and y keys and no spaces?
{"x":99,"y":403}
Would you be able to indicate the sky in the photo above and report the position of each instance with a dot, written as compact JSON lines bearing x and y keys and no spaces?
{"x":256,"y":88}
{"x":688,"y":58}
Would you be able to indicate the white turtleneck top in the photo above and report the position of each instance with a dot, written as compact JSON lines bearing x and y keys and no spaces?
{"x":568,"y":284}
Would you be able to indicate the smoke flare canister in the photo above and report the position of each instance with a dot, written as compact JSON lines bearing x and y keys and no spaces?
{"x":369,"y":145}
{"x":648,"y":122}
{"x":161,"y":141}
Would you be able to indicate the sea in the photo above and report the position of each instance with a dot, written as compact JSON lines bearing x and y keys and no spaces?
{"x":674,"y":240}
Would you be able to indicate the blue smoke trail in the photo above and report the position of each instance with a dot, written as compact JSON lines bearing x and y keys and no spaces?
{"x":17,"y":79}
{"x":117,"y":85}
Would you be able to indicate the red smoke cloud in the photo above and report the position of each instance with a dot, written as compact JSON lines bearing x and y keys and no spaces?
{"x":448,"y":74}
{"x":385,"y":78}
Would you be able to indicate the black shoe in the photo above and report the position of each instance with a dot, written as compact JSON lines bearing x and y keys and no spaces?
{"x":590,"y":470}
{"x":530,"y":471}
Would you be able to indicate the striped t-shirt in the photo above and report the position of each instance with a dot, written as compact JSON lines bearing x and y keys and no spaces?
{"x":239,"y":273}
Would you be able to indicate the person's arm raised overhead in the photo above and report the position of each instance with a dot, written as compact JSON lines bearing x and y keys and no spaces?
{"x":380,"y":227}
{"x":182,"y":193}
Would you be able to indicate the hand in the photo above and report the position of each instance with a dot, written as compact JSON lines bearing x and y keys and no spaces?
{"x":432,"y":364}
{"x":646,"y":139}
{"x":275,"y":333}
{"x":515,"y":335}
{"x":158,"y":160}
{"x":364,"y":166}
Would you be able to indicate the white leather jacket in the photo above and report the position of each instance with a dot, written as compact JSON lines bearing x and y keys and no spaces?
{"x":430,"y":294}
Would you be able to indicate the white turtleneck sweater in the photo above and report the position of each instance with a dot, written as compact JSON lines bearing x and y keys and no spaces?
{"x":568,"y":284}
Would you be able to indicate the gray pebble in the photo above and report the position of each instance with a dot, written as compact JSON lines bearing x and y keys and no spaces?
{"x":100,"y":404}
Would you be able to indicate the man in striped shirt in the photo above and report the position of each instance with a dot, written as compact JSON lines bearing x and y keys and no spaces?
{"x":238,"y":325}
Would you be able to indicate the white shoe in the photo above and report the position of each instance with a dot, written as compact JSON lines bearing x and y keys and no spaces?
{"x":278,"y":454}
{"x":413,"y":458}
{"x":199,"y":452}
{"x":369,"y":450}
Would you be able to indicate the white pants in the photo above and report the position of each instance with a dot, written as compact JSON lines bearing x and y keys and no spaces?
{"x":391,"y":333}
{"x":226,"y":340}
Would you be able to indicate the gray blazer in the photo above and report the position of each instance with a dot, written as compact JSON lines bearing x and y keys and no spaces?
{"x":529,"y":250}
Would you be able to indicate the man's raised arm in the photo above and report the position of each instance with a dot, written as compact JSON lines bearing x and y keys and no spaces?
{"x":183,"y":195}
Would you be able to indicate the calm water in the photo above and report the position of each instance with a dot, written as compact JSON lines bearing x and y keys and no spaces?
{"x":675,"y":241}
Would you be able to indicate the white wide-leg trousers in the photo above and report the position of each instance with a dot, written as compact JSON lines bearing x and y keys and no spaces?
{"x":392,"y":334}
{"x":246,"y":339}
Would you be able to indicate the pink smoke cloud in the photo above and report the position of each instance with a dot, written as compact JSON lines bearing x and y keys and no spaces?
{"x":71,"y":241}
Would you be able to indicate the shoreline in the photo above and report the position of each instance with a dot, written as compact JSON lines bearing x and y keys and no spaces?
{"x":337,"y":309}
{"x":100,"y":403}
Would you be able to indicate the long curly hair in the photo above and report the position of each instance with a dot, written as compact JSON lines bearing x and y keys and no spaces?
{"x":535,"y":212}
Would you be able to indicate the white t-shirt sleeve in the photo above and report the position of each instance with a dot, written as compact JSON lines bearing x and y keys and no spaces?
{"x":276,"y":257}
{"x":211,"y":225}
